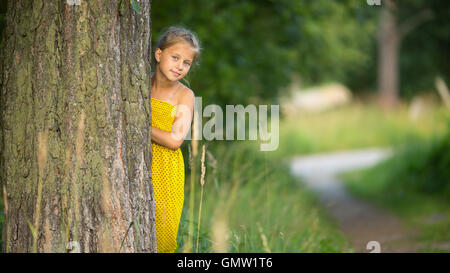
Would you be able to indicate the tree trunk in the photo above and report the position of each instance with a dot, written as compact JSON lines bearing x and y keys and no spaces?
{"x":75,"y":136}
{"x":388,"y":50}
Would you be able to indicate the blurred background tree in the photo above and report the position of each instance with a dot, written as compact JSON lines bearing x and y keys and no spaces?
{"x":397,"y":21}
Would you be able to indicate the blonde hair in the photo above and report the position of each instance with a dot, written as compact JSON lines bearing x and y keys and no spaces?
{"x":175,"y":34}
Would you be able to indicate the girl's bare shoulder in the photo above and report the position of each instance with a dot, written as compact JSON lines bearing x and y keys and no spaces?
{"x":185,"y":93}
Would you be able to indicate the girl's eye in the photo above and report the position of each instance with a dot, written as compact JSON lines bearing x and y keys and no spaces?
{"x":186,"y":63}
{"x":175,"y":57}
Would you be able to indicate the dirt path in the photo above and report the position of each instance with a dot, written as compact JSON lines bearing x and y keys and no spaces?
{"x":360,"y":221}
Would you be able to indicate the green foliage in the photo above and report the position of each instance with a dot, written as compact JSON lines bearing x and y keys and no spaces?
{"x":251,"y":48}
{"x":425,"y":50}
{"x":337,"y":42}
{"x":423,"y":166}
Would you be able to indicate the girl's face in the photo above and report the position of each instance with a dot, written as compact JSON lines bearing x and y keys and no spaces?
{"x":175,"y":61}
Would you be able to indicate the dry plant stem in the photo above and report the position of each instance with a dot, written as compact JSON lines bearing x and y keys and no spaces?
{"x":202,"y":183}
{"x":189,"y":244}
{"x":199,"y":218}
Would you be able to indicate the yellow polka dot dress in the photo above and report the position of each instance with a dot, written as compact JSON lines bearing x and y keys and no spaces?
{"x":168,"y":180}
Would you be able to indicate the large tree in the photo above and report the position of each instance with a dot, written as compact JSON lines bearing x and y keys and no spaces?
{"x":75,"y":136}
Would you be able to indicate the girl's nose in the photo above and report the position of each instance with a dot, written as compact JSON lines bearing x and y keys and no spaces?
{"x":180,"y":65}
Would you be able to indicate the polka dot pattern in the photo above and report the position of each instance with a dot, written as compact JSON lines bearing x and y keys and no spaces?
{"x":168,"y":180}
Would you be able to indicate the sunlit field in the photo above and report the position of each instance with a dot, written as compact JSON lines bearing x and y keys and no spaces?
{"x":355,"y":126}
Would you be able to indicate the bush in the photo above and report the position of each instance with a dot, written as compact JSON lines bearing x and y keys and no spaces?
{"x":423,"y":166}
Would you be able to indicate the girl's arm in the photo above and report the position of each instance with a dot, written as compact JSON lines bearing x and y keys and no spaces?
{"x":181,"y":125}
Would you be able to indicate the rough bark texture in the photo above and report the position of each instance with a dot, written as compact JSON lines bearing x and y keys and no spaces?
{"x":75,"y":127}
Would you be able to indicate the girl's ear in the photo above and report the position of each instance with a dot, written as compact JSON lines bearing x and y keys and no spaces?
{"x":158,"y":52}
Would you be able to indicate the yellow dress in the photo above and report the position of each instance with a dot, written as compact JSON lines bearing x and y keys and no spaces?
{"x":168,"y":180}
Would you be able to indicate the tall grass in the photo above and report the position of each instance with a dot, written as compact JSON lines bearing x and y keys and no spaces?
{"x":2,"y":221}
{"x":202,"y":184}
{"x":252,"y":204}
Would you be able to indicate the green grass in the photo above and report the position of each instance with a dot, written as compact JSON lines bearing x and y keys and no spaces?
{"x":415,"y":185}
{"x":258,"y":207}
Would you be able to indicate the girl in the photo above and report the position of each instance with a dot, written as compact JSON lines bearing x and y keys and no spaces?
{"x":172,"y":110}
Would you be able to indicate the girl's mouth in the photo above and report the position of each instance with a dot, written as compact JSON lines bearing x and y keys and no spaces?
{"x":176,"y":74}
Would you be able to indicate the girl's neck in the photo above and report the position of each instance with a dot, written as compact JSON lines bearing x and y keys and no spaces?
{"x":160,"y":82}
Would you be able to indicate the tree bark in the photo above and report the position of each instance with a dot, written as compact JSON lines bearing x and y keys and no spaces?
{"x":75,"y":136}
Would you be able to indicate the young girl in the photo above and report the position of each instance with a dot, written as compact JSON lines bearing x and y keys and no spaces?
{"x":172,"y":111}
